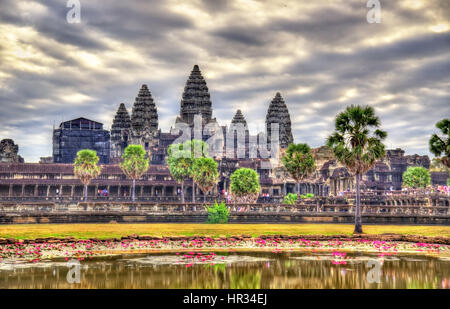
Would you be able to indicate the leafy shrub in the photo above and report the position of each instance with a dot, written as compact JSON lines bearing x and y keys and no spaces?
{"x":416,"y":177}
{"x":290,"y":199}
{"x":218,"y":213}
{"x":245,"y":185}
{"x":307,"y":195}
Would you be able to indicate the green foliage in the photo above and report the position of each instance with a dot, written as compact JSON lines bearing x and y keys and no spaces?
{"x":440,"y":145}
{"x":290,"y":199}
{"x":135,"y":163}
{"x":448,"y":181}
{"x":298,"y":161}
{"x":416,"y":177}
{"x":353,"y":144}
{"x":85,"y":166}
{"x":181,"y":158}
{"x":357,"y":144}
{"x":307,"y":195}
{"x":179,"y":162}
{"x":245,"y":184}
{"x":218,"y":213}
{"x":198,"y":148}
{"x":205,"y":173}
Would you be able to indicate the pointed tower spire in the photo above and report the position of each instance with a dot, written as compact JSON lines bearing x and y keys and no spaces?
{"x":239,"y":118}
{"x":120,"y":131}
{"x":196,"y":99}
{"x":144,"y":113}
{"x":122,"y":121}
{"x":278,"y":113}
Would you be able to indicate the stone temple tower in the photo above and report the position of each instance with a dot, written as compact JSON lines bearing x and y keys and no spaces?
{"x":278,"y":113}
{"x":144,"y":120}
{"x":241,"y":139}
{"x":144,"y":115}
{"x":120,"y":133}
{"x":239,"y":118}
{"x":195,"y":100}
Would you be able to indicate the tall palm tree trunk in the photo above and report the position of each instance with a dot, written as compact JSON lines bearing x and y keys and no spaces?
{"x":358,"y":223}
{"x":204,"y":197}
{"x":182,"y":192}
{"x":193,"y":192}
{"x":85,"y":192}
{"x":298,"y":189}
{"x":134,"y":190}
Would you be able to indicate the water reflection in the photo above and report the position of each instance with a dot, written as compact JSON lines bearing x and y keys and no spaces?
{"x":257,"y":270}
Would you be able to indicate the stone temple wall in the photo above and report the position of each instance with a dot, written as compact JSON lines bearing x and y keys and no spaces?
{"x":9,"y":152}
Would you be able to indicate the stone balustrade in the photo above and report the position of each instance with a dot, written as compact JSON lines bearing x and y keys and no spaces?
{"x":179,"y":208}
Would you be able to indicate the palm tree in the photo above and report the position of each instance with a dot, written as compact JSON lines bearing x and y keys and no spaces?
{"x":205,"y":174}
{"x":198,"y":149}
{"x":85,"y":167}
{"x":356,"y":146}
{"x":299,"y":162}
{"x":134,"y":164}
{"x":180,"y":164}
{"x":441,"y":145}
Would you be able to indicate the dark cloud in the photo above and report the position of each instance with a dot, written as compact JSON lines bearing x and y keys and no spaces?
{"x":243,"y":35}
{"x":321,"y":56}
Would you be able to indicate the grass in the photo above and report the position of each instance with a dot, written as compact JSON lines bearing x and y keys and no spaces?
{"x":102,"y":231}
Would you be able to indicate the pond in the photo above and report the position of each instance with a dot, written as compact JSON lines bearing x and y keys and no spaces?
{"x":249,"y":270}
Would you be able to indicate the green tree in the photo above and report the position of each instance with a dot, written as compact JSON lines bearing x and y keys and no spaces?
{"x":86,"y":168}
{"x":299,"y":162}
{"x":135,"y":163}
{"x":448,"y":182}
{"x":416,"y":177}
{"x":440,"y":145}
{"x":180,"y":164}
{"x":205,"y":174}
{"x":357,"y":144}
{"x":181,"y":159}
{"x":245,"y":185}
{"x":199,"y":149}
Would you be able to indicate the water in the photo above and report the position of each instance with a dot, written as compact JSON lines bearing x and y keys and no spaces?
{"x":233,"y":270}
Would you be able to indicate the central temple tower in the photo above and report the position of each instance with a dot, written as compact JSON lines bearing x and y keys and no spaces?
{"x":195,"y":100}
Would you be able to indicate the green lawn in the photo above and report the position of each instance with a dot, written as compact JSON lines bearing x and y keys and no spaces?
{"x":84,"y":231}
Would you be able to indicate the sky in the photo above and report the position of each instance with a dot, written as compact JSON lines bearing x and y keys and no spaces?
{"x":320,"y":55}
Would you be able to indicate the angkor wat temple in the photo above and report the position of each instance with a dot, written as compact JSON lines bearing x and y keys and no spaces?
{"x":141,"y":127}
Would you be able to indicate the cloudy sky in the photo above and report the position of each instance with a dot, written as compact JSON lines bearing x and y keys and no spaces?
{"x":321,"y":55}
